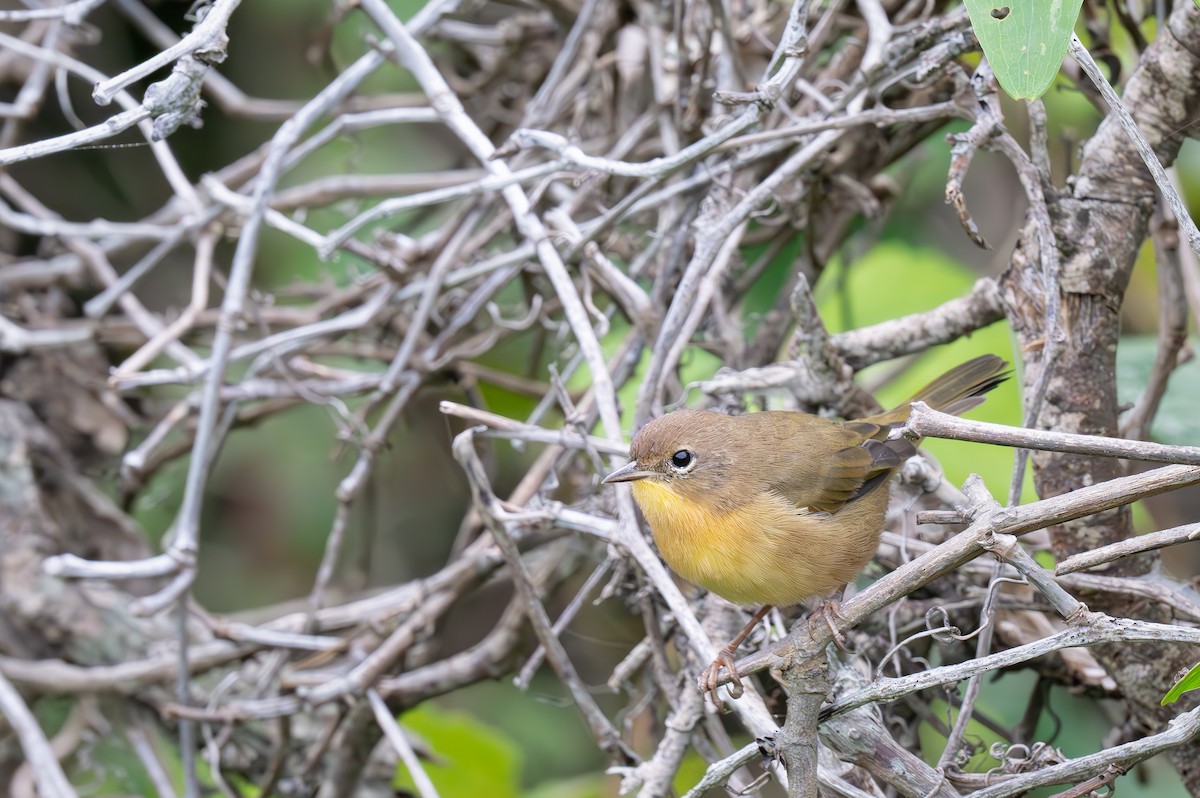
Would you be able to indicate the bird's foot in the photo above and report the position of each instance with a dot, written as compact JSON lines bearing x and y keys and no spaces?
{"x":828,"y":610}
{"x":710,"y":679}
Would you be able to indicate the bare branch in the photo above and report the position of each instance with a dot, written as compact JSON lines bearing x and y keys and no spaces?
{"x":51,"y":781}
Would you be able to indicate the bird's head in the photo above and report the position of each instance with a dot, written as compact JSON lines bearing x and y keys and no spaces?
{"x":687,"y":452}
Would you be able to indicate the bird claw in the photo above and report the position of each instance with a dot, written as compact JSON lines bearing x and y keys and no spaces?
{"x":710,"y":679}
{"x":829,"y":613}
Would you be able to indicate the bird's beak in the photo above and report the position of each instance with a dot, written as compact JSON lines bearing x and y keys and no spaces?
{"x":628,"y":473}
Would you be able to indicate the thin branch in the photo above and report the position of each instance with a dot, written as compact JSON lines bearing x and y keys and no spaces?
{"x":927,"y":422}
{"x":907,"y":335}
{"x":605,"y":735}
{"x":207,"y":38}
{"x":1187,"y":224}
{"x":1181,"y":730}
{"x":47,"y":773}
{"x":1126,"y":548}
{"x":1087,"y":629}
{"x":399,"y":741}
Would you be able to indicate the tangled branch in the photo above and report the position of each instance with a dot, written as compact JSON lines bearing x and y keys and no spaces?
{"x":622,"y":177}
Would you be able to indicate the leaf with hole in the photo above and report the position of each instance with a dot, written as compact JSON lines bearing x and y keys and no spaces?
{"x":1024,"y":42}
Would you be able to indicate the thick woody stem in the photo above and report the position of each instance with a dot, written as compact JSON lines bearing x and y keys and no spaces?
{"x":807,"y":683}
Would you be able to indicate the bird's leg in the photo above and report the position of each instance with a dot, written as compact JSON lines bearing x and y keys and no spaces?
{"x":709,"y":679}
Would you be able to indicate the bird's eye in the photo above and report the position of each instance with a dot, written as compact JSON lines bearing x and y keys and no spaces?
{"x":681,"y":459}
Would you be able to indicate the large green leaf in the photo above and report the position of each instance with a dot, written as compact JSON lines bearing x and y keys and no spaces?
{"x":1189,"y":682}
{"x":473,"y":759}
{"x":1024,"y":42}
{"x":1177,"y":421}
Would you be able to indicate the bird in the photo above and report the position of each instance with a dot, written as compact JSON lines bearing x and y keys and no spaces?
{"x":777,"y":507}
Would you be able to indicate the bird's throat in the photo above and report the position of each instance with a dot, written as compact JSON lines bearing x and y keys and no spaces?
{"x":670,"y":513}
{"x":705,"y":546}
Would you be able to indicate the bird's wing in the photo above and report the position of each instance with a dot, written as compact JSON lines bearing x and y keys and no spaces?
{"x":863,"y":462}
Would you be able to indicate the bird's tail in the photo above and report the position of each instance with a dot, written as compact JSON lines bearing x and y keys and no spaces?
{"x":963,"y":387}
{"x":957,"y":391}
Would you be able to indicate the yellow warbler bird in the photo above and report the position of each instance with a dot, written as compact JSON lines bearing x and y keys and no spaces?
{"x":777,"y":507}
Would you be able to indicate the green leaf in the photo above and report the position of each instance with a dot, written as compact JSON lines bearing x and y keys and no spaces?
{"x":473,"y":759}
{"x":589,"y":785}
{"x":1024,"y":42}
{"x":1190,"y":681}
{"x":1177,"y":421}
{"x":1045,"y":559}
{"x":691,"y":770}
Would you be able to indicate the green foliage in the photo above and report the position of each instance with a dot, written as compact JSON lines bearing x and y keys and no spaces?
{"x":1188,"y":682}
{"x":554,"y":741}
{"x":1024,"y":42}
{"x":110,"y":767}
{"x":1045,"y":559}
{"x":1177,"y":421}
{"x":588,"y":786}
{"x":473,"y":759}
{"x":691,"y":770}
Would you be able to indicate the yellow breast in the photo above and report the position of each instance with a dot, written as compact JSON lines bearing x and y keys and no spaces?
{"x":767,"y":551}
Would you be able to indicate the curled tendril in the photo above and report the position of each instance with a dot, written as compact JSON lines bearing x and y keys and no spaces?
{"x":1019,"y":757}
{"x":938,"y":626}
{"x":937,"y":623}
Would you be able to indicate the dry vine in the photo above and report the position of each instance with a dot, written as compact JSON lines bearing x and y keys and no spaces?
{"x":616,"y":158}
